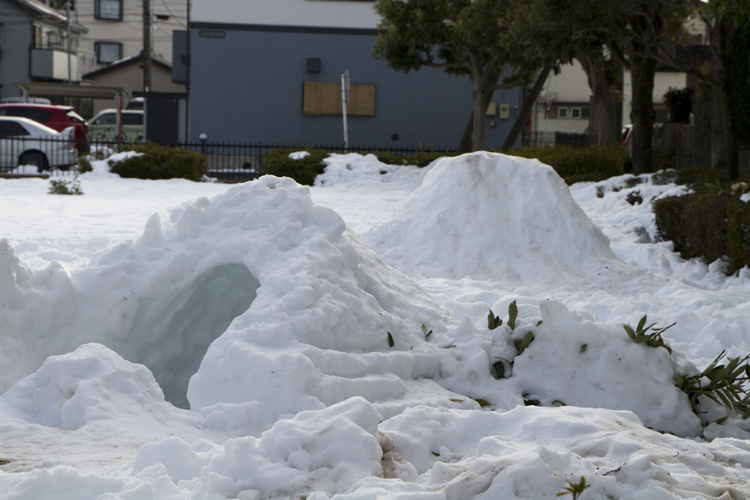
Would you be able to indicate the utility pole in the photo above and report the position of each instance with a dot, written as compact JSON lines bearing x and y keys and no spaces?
{"x":67,"y":34}
{"x":146,"y":45}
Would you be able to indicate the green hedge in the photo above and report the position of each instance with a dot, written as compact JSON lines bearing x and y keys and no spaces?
{"x":304,"y":170}
{"x":594,"y":163}
{"x":421,"y":158}
{"x":161,"y":162}
{"x":707,"y":225}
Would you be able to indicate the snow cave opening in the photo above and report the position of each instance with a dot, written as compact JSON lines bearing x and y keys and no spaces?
{"x":181,"y":328}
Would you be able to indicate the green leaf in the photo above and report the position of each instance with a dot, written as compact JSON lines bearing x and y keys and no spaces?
{"x":722,"y":420}
{"x":499,"y":369}
{"x":428,"y":335}
{"x":457,"y":400}
{"x":482,"y":402}
{"x":642,"y":322}
{"x":436,"y":454}
{"x":539,"y":323}
{"x":512,"y":315}
{"x":390,"y":340}
{"x":448,"y":346}
{"x":583,"y":348}
{"x":629,"y":331}
{"x":424,"y":329}
{"x":527,"y":339}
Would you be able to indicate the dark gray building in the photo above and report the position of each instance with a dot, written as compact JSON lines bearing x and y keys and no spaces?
{"x":33,"y":44}
{"x":279,"y":82}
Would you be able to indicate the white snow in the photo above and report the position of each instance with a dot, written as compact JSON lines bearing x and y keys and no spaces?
{"x":179,"y":340}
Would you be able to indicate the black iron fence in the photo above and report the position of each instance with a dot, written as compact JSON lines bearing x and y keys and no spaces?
{"x":541,"y":138}
{"x":231,"y":162}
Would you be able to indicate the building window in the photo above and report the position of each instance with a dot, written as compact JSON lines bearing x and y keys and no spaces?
{"x":324,"y":99}
{"x":108,"y":52}
{"x":108,"y":9}
{"x":575,"y":113}
{"x":562,"y":112}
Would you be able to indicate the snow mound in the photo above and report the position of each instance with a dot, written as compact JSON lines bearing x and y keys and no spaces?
{"x":290,"y":301}
{"x":92,"y":383}
{"x":491,"y":216}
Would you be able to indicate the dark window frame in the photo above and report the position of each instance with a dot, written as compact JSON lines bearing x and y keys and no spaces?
{"x":97,"y":51}
{"x":98,"y":12}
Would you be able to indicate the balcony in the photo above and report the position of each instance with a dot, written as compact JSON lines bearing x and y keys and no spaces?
{"x":52,"y":64}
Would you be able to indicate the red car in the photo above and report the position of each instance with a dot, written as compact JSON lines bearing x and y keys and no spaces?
{"x":53,"y":116}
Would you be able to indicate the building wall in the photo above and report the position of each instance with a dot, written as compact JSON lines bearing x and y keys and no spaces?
{"x":129,"y":31}
{"x":247,"y":86}
{"x":320,"y":13}
{"x":16,"y":38}
{"x":130,"y":78}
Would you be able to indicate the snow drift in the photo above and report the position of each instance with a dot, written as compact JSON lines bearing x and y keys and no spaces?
{"x":490,"y":216}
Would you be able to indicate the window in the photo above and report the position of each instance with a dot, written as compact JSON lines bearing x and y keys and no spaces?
{"x":108,"y":9}
{"x":324,"y":99}
{"x":575,"y":113}
{"x":562,"y":112}
{"x":107,"y":52}
{"x":132,"y":119}
{"x":12,"y":129}
{"x":106,"y":119}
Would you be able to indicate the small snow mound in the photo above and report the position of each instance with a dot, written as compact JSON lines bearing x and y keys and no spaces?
{"x":491,"y":216}
{"x":71,"y":390}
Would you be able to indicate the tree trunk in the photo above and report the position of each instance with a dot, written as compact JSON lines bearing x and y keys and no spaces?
{"x":478,"y":134}
{"x":603,"y":126}
{"x":642,"y":71}
{"x":718,"y":146}
{"x":528,"y":106}
{"x":727,"y":32}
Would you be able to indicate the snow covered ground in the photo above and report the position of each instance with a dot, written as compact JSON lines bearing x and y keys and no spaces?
{"x":179,"y":340}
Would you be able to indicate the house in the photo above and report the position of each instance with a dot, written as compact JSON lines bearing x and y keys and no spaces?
{"x":115,"y":28}
{"x":270,"y":71}
{"x":34,"y":45}
{"x":563,"y":104}
{"x":128,"y":74}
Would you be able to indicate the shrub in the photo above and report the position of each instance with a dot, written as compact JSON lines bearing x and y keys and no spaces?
{"x":591,"y":164}
{"x":421,"y":158}
{"x":708,"y":225}
{"x":693,"y":177}
{"x":679,"y":104}
{"x":84,"y":165}
{"x":303,"y":170}
{"x":161,"y":162}
{"x":65,"y":187}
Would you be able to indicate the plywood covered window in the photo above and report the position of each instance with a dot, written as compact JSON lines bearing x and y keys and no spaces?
{"x":324,"y":99}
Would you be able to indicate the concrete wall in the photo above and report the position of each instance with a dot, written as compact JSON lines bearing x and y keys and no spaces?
{"x":17,"y":37}
{"x":248,"y":87}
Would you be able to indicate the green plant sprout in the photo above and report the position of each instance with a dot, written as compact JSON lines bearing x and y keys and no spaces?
{"x":390,"y":340}
{"x":575,"y":489}
{"x":512,"y":315}
{"x":493,"y":321}
{"x":426,"y":333}
{"x":725,"y":387}
{"x":521,"y":345}
{"x":65,"y":187}
{"x":641,"y":335}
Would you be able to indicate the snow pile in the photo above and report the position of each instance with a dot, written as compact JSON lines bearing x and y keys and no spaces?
{"x":89,"y":384}
{"x":313,"y":369}
{"x":491,"y":216}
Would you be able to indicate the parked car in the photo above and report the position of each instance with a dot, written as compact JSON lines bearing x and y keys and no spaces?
{"x":26,"y":142}
{"x":53,"y":116}
{"x":136,"y":103}
{"x":103,"y":127}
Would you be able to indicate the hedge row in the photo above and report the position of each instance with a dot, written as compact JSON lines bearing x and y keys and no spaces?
{"x":161,"y":162}
{"x":591,"y":164}
{"x":709,"y":225}
{"x":594,"y":163}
